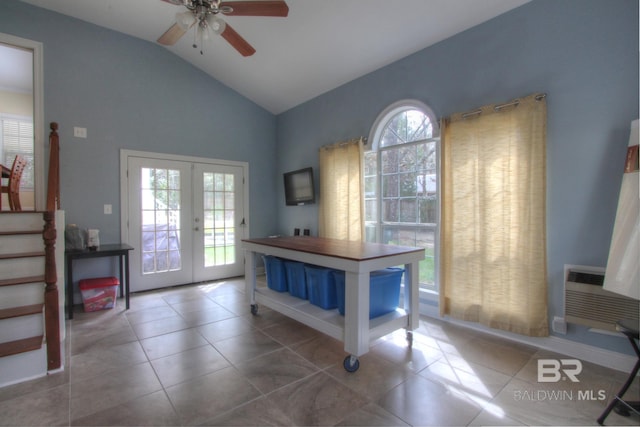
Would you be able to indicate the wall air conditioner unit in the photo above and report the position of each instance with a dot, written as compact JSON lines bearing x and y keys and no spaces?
{"x":587,"y":303}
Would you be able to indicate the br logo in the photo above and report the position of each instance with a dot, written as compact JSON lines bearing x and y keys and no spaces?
{"x":554,"y":370}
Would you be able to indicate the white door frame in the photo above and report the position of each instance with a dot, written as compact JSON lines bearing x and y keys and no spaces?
{"x":124,"y":188}
{"x":38,"y":114}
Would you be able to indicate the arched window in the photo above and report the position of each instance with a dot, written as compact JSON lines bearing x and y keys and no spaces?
{"x":401,"y":171}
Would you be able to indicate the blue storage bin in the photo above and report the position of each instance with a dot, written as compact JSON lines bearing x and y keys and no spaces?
{"x":276,"y":279}
{"x":321,"y":287}
{"x":384,"y":290}
{"x":296,"y":280}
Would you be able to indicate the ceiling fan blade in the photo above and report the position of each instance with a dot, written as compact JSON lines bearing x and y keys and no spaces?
{"x":236,"y":40}
{"x":172,"y":35}
{"x":257,"y":8}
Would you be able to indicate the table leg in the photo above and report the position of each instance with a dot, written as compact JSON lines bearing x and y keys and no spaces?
{"x":412,"y":295}
{"x":250,"y":276}
{"x":127,"y":288}
{"x":356,"y":319}
{"x":69,"y":301}
{"x":121,"y":271}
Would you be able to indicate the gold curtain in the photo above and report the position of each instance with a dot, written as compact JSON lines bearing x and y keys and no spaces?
{"x":493,"y":256}
{"x":341,"y":208}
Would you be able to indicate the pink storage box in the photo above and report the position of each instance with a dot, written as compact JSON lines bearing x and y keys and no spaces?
{"x":99,"y":293}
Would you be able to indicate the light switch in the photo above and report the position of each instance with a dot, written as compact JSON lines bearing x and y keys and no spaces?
{"x":80,"y":132}
{"x":107,"y":209}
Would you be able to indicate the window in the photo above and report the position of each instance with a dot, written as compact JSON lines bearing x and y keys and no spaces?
{"x":16,"y":138}
{"x":401,"y":172}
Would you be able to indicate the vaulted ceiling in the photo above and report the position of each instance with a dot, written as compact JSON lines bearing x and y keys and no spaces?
{"x":319,"y":46}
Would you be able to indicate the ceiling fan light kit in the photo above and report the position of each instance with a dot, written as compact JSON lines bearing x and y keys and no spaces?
{"x":204,"y":15}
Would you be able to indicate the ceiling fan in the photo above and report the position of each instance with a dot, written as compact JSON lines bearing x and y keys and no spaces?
{"x":204,"y":16}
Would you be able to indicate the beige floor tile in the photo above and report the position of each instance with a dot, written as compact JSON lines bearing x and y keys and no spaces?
{"x":199,"y":304}
{"x":153,"y":409}
{"x":476,"y":380}
{"x":290,"y":332}
{"x":590,"y":372}
{"x":234,"y":302}
{"x":144,"y":300}
{"x":552,"y":404}
{"x":258,"y":412}
{"x":202,"y":317}
{"x":209,"y":396}
{"x":105,"y":391}
{"x":394,"y":348}
{"x":223,"y":329}
{"x":276,"y":369}
{"x":150,"y":314}
{"x":188,"y":365}
{"x":487,"y":353}
{"x":37,"y":385}
{"x":182,"y":294}
{"x":44,"y":408}
{"x":371,"y":415}
{"x":265,"y":317}
{"x":86,"y":340}
{"x":161,"y":326}
{"x":494,"y":416}
{"x":318,"y":400}
{"x":172,"y":343}
{"x":223,"y":287}
{"x":247,"y":346}
{"x":104,"y":360}
{"x":419,"y":401}
{"x":323,"y":351}
{"x":374,"y":378}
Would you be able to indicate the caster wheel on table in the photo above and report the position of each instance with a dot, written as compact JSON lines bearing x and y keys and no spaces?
{"x":351,"y":363}
{"x":410,"y":338}
{"x":254,"y":309}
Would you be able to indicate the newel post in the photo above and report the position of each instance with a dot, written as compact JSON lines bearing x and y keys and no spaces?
{"x":53,"y":184}
{"x":51,"y":306}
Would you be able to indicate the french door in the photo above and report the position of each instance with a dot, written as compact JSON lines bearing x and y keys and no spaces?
{"x":185,"y":221}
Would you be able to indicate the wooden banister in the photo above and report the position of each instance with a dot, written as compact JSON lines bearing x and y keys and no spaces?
{"x":51,"y":306}
{"x":53,"y":184}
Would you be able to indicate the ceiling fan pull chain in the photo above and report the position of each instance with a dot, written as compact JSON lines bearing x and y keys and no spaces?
{"x":195,"y":37}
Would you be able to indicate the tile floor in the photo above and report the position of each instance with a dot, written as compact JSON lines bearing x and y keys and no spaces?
{"x":194,"y":355}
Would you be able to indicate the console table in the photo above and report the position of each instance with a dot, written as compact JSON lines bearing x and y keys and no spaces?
{"x":118,"y":249}
{"x":357,"y":260}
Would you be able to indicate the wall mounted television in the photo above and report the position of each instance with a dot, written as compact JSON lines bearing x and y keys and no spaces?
{"x":298,"y":187}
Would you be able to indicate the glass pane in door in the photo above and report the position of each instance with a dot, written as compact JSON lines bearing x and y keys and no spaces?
{"x":160,"y":209}
{"x":219,"y":219}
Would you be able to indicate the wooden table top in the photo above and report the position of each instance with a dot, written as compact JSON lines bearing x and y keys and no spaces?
{"x":358,"y":251}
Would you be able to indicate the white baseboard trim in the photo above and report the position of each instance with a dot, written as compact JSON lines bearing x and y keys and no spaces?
{"x":588,"y":353}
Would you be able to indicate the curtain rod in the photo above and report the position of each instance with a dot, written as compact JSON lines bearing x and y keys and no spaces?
{"x":348,"y":141}
{"x":499,"y":107}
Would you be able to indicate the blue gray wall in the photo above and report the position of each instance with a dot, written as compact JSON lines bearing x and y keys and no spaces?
{"x":136,"y":95}
{"x":582,"y":53}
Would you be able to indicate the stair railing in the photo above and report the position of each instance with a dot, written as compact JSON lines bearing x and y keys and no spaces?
{"x":51,"y":305}
{"x":51,"y":302}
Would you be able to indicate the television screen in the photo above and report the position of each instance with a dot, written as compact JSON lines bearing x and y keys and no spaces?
{"x":298,"y":187}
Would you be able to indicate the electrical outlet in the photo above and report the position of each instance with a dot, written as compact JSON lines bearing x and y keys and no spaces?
{"x":107,"y":209}
{"x":80,"y":132}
